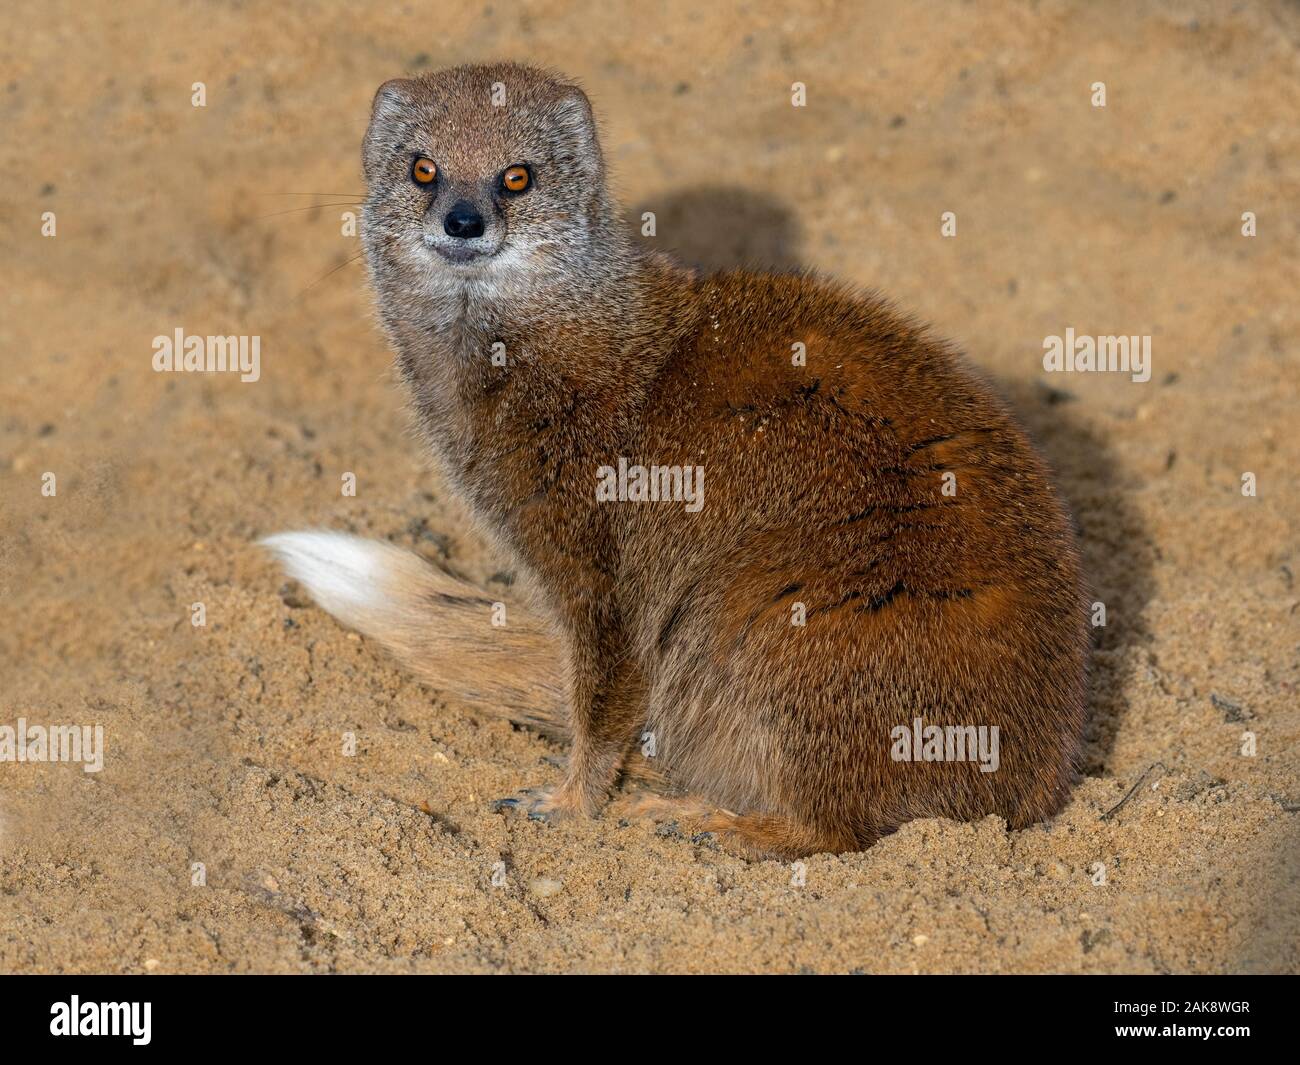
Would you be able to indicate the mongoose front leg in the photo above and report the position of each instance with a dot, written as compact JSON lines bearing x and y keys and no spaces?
{"x":608,"y":709}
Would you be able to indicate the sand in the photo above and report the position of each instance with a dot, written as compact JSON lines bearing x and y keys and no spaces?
{"x":228,"y":830}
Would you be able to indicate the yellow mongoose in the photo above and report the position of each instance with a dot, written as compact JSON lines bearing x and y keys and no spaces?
{"x":818,"y":582}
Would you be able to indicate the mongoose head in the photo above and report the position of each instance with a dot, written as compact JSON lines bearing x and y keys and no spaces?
{"x":482,"y":174}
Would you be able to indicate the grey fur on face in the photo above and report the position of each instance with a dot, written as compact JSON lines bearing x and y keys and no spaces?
{"x":474,"y":123}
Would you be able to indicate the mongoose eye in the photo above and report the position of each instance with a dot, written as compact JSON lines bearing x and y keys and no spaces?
{"x":516,"y":178}
{"x":424,"y":172}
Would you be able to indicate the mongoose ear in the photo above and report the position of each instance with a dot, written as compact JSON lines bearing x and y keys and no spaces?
{"x":391,"y":102}
{"x":574,"y":116}
{"x":392,"y":97}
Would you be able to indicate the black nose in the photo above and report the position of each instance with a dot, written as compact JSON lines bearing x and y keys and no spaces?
{"x":463,"y":221}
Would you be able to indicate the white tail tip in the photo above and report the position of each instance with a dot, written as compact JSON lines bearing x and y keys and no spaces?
{"x":345,"y":574}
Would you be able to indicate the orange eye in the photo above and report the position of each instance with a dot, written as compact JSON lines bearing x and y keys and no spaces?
{"x":424,"y":171}
{"x":516,"y":178}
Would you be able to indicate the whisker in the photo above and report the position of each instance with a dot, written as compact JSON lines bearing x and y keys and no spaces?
{"x":353,"y":195}
{"x":329,"y":273}
{"x":313,"y":207}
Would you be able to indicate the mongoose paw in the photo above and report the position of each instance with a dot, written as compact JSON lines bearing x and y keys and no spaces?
{"x":520,"y":804}
{"x":539,"y":804}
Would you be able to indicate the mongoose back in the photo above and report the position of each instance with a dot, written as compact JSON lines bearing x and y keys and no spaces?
{"x":781,"y":538}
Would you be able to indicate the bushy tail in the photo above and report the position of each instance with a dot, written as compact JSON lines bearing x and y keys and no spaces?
{"x":437,"y":625}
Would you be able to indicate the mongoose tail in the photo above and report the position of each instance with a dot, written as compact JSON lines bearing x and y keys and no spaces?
{"x":438,"y":626}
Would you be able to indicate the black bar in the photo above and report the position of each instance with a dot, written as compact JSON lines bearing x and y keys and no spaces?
{"x":434,"y":1015}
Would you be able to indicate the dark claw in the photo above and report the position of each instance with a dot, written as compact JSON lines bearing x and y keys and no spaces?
{"x":528,"y":799}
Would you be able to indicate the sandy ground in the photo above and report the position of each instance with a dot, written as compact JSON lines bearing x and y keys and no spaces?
{"x":224,"y":743}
